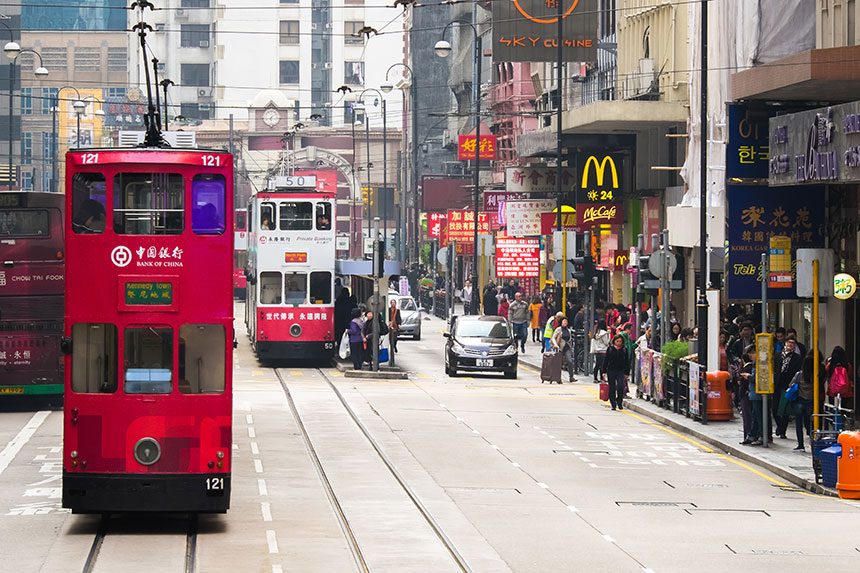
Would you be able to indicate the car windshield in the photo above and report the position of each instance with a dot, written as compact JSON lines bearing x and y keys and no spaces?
{"x":407,"y":304}
{"x":482,"y":329}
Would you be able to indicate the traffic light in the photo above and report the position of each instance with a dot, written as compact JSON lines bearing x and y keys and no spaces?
{"x":583,"y":269}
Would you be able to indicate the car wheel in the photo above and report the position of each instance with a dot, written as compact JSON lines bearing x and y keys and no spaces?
{"x":417,"y":335}
{"x":511,"y":375}
{"x":452,"y":372}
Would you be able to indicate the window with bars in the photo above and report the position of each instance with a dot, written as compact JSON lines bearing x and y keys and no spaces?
{"x":26,"y":148}
{"x":48,"y":96}
{"x":194,"y":36}
{"x":27,"y":180}
{"x":195,"y":111}
{"x":87,"y":59}
{"x":350,"y":33}
{"x":117,"y":59}
{"x":48,"y":145}
{"x":353,"y":73}
{"x":26,"y":101}
{"x":289,"y":32}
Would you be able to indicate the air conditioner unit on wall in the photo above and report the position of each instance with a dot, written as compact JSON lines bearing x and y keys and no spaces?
{"x":180,"y":13}
{"x":204,"y":92}
{"x":203,"y":43}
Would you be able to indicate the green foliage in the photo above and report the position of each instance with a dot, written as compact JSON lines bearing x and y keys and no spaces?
{"x":672,"y":352}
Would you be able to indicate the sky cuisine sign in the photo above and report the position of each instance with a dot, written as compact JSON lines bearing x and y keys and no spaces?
{"x":601,"y":188}
{"x":527,"y":30}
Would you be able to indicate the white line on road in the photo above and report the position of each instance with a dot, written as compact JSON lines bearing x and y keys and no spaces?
{"x":536,"y":427}
{"x":609,"y":538}
{"x":261,"y":486}
{"x":544,"y":433}
{"x":543,"y":485}
{"x":572,"y":508}
{"x":494,"y":446}
{"x":266,"y":510}
{"x":475,"y":432}
{"x":20,"y":440}
{"x":255,"y":449}
{"x":277,"y":569}
{"x":272,"y":540}
{"x":515,"y":464}
{"x":441,"y":405}
{"x":249,"y":418}
{"x":460,"y":420}
{"x":252,"y":433}
{"x":647,"y":570}
{"x":258,"y":466}
{"x":551,"y":437}
{"x":560,"y":443}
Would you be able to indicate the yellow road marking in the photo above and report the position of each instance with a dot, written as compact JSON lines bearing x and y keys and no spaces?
{"x":296,"y":373}
{"x":756,"y":472}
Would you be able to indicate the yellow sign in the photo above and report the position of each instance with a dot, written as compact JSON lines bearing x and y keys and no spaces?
{"x":600,"y":169}
{"x":764,"y":363}
{"x":844,"y":286}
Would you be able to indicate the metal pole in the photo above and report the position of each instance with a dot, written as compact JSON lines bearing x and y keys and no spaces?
{"x":655,"y":334}
{"x":11,"y":106}
{"x":165,"y":84}
{"x":665,"y":329}
{"x":384,"y":178}
{"x":477,"y":95}
{"x":55,"y":167}
{"x":367,"y":166}
{"x":559,"y":79}
{"x":815,"y":373}
{"x":401,"y":214}
{"x":702,"y":305}
{"x":765,"y":413}
{"x":376,"y":313}
{"x":415,"y":170}
{"x":78,"y":131}
{"x":449,"y":285}
{"x":637,"y":307}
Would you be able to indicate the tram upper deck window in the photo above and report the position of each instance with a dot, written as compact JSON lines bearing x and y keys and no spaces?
{"x":201,"y":358}
{"x":94,"y":358}
{"x":89,"y":197}
{"x":271,"y":287}
{"x":148,"y":360}
{"x":295,"y":288}
{"x":320,"y":288}
{"x":241,"y":221}
{"x":324,"y":216}
{"x":296,"y":215}
{"x":25,"y":223}
{"x":267,"y":217}
{"x":208,"y":204}
{"x":148,"y":204}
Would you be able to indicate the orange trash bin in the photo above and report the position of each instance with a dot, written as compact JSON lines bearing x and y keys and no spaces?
{"x":719,"y":396}
{"x":848,"y":467}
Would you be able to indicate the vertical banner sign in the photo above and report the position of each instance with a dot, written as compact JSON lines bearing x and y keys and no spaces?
{"x":435,"y":222}
{"x":526,"y":30}
{"x":466,"y":147}
{"x":523,"y":218}
{"x":764,"y":363}
{"x":601,"y":188}
{"x":748,"y":147}
{"x":694,"y":389}
{"x":779,"y":262}
{"x":657,"y":373}
{"x":646,"y":357}
{"x":517,"y":258}
{"x":756,"y":214}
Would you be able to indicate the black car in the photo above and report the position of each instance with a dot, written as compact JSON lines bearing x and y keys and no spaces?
{"x":481,"y":344}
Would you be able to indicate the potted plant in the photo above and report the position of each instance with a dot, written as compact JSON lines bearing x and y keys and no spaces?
{"x":673,"y":351}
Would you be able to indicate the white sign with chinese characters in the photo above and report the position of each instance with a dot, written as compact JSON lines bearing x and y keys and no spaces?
{"x":536,"y":179}
{"x":523,"y":218}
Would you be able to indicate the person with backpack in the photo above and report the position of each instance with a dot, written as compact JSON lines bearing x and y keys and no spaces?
{"x":788,"y":363}
{"x":840,"y":374}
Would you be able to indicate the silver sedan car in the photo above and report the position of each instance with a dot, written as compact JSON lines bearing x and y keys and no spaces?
{"x":410,"y":316}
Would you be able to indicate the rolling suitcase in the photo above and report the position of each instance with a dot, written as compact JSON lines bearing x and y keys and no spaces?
{"x":550,"y":370}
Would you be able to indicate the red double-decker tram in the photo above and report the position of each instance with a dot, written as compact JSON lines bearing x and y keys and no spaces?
{"x":240,"y":253}
{"x":291,"y":251}
{"x":148,"y":330}
{"x":31,"y":294}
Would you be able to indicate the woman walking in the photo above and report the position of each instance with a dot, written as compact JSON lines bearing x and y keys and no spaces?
{"x":535,"y":309}
{"x":562,"y":340}
{"x":615,"y":368}
{"x":356,"y":339}
{"x":599,"y":346}
{"x":805,"y":397}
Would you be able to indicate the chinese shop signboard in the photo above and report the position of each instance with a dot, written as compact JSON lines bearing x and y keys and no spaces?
{"x":536,"y":180}
{"x":549,"y":222}
{"x":435,"y":222}
{"x":493,"y":199}
{"x":527,"y":31}
{"x":523,"y":218}
{"x":517,"y":258}
{"x":461,"y":226}
{"x":466,"y":147}
{"x":755,"y":215}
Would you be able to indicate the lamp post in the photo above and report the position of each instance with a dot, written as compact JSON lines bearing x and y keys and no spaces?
{"x":413,"y":92}
{"x":384,"y":160}
{"x":443,"y":50}
{"x":702,"y":303}
{"x":165,"y":83}
{"x":56,"y":144}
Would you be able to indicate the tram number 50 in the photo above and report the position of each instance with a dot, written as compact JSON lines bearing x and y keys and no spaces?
{"x":211,"y":160}
{"x":215,"y":486}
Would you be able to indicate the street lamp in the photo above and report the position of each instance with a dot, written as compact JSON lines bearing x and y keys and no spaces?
{"x":56,"y":143}
{"x":386,"y":88}
{"x":443,"y":50}
{"x":384,"y":158}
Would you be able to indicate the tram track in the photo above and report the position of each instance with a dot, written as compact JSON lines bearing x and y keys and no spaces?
{"x":104,"y":530}
{"x":349,"y":533}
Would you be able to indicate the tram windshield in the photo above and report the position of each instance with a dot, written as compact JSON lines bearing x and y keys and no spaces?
{"x":148,"y":360}
{"x":148,"y":204}
{"x":295,"y":288}
{"x":208,"y":204}
{"x":89,"y":196}
{"x":296,"y":215}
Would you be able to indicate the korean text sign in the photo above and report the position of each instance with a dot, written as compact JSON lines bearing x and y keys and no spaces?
{"x":748,"y":148}
{"x":517,"y":258}
{"x":755,"y":215}
{"x":466,"y":147}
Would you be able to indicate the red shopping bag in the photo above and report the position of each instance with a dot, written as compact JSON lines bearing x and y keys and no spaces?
{"x":604,"y":391}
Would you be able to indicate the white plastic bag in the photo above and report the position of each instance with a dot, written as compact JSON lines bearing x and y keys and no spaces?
{"x":343,"y":351}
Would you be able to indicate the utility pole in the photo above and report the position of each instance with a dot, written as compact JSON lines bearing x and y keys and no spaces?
{"x":559,"y":79}
{"x":702,"y":305}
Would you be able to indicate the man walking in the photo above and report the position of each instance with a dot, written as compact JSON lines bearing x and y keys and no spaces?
{"x":518,"y":315}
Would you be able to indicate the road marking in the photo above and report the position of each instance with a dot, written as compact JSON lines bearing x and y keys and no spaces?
{"x":609,"y":538}
{"x":20,"y":440}
{"x":255,"y":449}
{"x":544,"y":433}
{"x":266,"y":510}
{"x":679,"y":435}
{"x":261,"y":487}
{"x":460,"y":420}
{"x":249,"y":419}
{"x":536,"y":427}
{"x":476,"y":432}
{"x":572,"y":508}
{"x":272,"y":540}
{"x":647,"y":570}
{"x":542,"y":485}
{"x":252,"y":433}
{"x":551,"y":437}
{"x":296,"y":373}
{"x":494,"y":446}
{"x":277,"y":569}
{"x":441,"y":405}
{"x":559,"y":442}
{"x":258,"y":466}
{"x":755,"y":471}
{"x":515,"y":464}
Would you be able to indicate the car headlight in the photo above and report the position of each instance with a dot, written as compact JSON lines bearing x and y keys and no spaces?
{"x":510,"y":350}
{"x":457,"y":348}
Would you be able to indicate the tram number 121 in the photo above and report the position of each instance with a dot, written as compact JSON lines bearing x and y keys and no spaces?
{"x":215,"y":486}
{"x":211,"y":160}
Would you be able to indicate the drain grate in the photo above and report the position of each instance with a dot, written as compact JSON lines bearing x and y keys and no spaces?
{"x":655,"y":504}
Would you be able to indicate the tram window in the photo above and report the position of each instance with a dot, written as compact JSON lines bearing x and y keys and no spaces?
{"x":148,"y":204}
{"x":207,"y":204}
{"x":296,"y":216}
{"x":267,"y":217}
{"x":94,"y":358}
{"x":148,"y":360}
{"x":296,"y":288}
{"x":271,"y":288}
{"x":89,"y":197}
{"x":320,"y":288}
{"x":241,"y":221}
{"x":324,"y":216}
{"x":201,"y":358}
{"x":25,"y":223}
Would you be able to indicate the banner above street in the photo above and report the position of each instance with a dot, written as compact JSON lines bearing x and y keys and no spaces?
{"x":526,"y":30}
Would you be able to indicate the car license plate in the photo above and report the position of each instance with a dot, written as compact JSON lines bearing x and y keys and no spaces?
{"x":484,"y":362}
{"x":12,"y":390}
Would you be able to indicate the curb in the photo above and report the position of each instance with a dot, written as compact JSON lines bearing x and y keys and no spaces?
{"x":385,"y":373}
{"x":778,"y":470}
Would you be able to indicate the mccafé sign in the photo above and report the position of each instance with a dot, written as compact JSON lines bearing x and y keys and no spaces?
{"x":600,"y":188}
{"x":596,"y":214}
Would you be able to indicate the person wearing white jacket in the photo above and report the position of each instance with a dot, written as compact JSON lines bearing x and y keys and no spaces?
{"x":599,"y":345}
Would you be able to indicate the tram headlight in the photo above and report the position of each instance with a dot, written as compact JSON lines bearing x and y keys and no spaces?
{"x":147,"y":451}
{"x":295,"y":331}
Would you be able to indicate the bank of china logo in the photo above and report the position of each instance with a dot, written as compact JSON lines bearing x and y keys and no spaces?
{"x":120,"y":256}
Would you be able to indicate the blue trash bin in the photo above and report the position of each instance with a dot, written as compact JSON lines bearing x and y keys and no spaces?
{"x":829,"y":464}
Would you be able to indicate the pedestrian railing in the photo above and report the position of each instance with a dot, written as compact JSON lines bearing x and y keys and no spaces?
{"x":679,"y":387}
{"x":440,"y":306}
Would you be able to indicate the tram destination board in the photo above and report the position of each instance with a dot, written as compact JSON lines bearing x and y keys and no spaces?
{"x":149,"y":293}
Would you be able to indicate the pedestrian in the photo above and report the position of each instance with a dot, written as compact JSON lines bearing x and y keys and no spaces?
{"x":801,"y":348}
{"x":504,"y":305}
{"x":562,"y":340}
{"x":535,"y":309}
{"x":343,"y":306}
{"x":742,"y":372}
{"x":789,"y":365}
{"x":615,"y":368}
{"x":519,"y":316}
{"x":467,"y":297}
{"x":549,"y":330}
{"x":805,"y":396}
{"x":394,"y":322}
{"x":629,"y":344}
{"x":745,"y":338}
{"x":839,"y":374}
{"x":491,"y":303}
{"x":599,"y":345}
{"x":356,"y":339}
{"x":676,"y":332}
